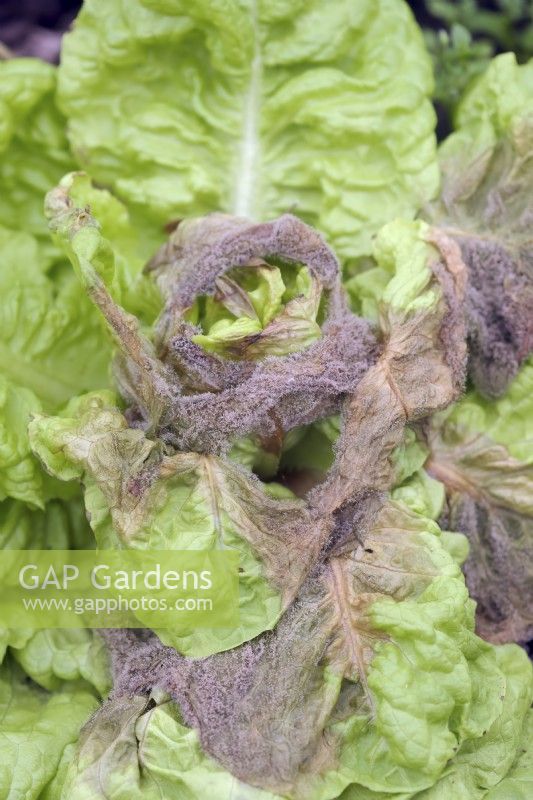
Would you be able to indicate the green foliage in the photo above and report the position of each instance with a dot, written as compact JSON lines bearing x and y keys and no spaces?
{"x":457,"y":60}
{"x":467,"y":35}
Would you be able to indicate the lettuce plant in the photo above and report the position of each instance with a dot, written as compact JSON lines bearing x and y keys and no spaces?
{"x":186,"y":359}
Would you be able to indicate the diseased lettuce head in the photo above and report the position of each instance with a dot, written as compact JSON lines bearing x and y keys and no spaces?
{"x":355,"y":670}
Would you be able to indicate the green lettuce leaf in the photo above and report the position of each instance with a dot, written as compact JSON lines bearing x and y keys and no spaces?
{"x":52,"y":345}
{"x":16,"y":637}
{"x":480,"y":765}
{"x":35,"y":728}
{"x":54,"y":787}
{"x":253,"y":109}
{"x":60,"y":526}
{"x":20,"y":474}
{"x":34,"y":152}
{"x":259,"y":310}
{"x":126,"y":281}
{"x":518,"y":783}
{"x":51,"y":657}
{"x":421,"y":493}
{"x":481,"y":452}
{"x":402,"y":279}
{"x":483,"y":767}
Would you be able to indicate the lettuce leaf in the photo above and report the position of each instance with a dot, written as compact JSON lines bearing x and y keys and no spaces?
{"x":259,"y":310}
{"x":34,"y":151}
{"x":254,"y":109}
{"x":480,"y":765}
{"x":517,"y":784}
{"x":138,"y":496}
{"x":381,"y":680}
{"x":20,"y":474}
{"x":126,"y":281}
{"x":482,"y":454}
{"x":486,"y":207}
{"x":51,"y":657}
{"x":139,"y":748}
{"x":62,"y":525}
{"x":483,"y":767}
{"x":52,"y":345}
{"x":35,"y":728}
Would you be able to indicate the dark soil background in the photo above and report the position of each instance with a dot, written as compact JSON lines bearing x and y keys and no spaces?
{"x":35,"y":27}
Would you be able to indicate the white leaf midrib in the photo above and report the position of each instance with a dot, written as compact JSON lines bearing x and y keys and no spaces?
{"x":249,"y":146}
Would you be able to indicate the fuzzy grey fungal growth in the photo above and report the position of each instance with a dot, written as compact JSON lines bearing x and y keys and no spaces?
{"x":487,"y":498}
{"x":200,"y":371}
{"x":327,"y":558}
{"x":500,"y":545}
{"x":202,"y":250}
{"x":499,"y":307}
{"x":281,"y":392}
{"x":486,"y":207}
{"x":224,"y":399}
{"x":234,"y":698}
